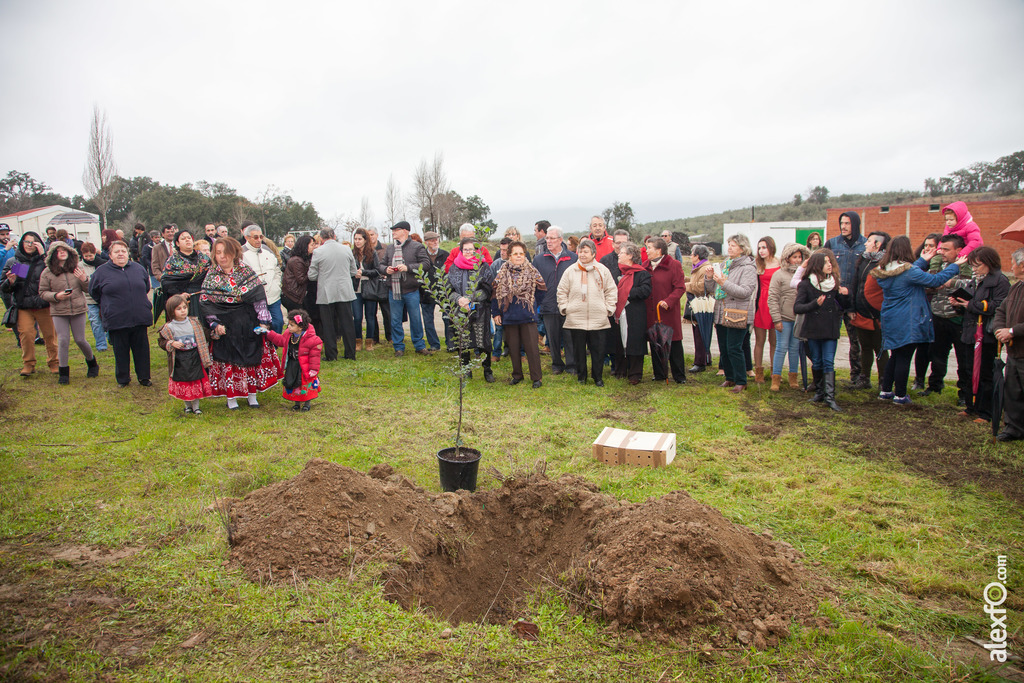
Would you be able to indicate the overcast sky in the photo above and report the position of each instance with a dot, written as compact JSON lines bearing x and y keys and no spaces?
{"x":548,"y":109}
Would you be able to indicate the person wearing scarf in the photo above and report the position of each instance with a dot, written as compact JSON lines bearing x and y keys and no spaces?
{"x":473,"y":300}
{"x":960,"y":222}
{"x":906,"y":317}
{"x":701,"y":271}
{"x":668,"y":287}
{"x":631,"y":311}
{"x":847,"y":247}
{"x":587,"y":296}
{"x":513,"y":307}
{"x":780,"y":304}
{"x":185,"y":271}
{"x":232,"y":305}
{"x":821,"y":300}
{"x":734,"y":291}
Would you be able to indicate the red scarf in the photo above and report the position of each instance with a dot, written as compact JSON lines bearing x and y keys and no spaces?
{"x":625,"y":284}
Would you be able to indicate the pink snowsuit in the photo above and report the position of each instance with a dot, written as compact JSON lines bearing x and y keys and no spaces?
{"x":965,"y":227}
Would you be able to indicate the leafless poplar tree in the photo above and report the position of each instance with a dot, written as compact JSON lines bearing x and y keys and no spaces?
{"x":100,"y":175}
{"x":394,"y":207}
{"x":365,"y":213}
{"x":429,"y":183}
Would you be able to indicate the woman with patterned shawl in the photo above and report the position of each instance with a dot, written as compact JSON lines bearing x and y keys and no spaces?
{"x":514,"y":308}
{"x":185,"y":271}
{"x":233,"y":306}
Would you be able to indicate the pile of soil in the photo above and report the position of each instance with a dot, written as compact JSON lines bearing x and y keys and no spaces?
{"x":670,"y":564}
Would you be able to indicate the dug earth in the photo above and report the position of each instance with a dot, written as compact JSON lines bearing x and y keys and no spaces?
{"x":671,"y":565}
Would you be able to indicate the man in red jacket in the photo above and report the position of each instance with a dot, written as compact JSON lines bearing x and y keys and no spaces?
{"x":599,"y":233}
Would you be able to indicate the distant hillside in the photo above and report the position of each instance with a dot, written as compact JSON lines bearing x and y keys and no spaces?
{"x":711,"y":224}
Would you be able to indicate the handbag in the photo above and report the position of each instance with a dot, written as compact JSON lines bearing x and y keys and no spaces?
{"x":734,"y":317}
{"x":10,"y":320}
{"x":374,"y":289}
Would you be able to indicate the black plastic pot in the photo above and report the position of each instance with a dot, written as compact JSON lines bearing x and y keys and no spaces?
{"x":458,"y":468}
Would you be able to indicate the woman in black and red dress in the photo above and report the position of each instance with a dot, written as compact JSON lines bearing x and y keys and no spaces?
{"x":233,"y":304}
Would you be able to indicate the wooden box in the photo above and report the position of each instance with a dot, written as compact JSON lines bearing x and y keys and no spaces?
{"x":624,"y":447}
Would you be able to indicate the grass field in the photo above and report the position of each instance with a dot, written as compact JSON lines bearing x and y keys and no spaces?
{"x":113,"y":565}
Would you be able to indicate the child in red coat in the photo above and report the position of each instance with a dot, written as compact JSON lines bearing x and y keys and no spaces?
{"x":302,"y":350}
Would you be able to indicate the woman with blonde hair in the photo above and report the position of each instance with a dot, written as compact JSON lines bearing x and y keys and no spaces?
{"x":734,"y":286}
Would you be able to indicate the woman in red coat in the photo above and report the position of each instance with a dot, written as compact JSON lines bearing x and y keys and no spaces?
{"x":668,"y":286}
{"x":301,"y":359}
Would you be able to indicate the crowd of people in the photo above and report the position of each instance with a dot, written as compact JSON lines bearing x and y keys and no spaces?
{"x":597,"y":301}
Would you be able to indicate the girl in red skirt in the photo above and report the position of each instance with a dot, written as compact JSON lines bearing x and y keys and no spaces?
{"x":301,"y":359}
{"x":188,"y":355}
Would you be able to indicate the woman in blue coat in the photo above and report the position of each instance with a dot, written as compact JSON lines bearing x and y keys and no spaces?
{"x":906,"y":315}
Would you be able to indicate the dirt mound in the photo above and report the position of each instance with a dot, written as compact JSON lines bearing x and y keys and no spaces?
{"x":669,"y":564}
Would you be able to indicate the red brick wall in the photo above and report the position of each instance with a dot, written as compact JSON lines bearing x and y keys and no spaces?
{"x":916,"y":221}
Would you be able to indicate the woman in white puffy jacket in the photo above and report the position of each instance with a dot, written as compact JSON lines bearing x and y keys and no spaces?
{"x":586,"y":297}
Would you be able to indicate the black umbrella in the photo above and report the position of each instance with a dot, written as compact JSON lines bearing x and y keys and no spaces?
{"x":660,"y":336}
{"x":998,"y":381}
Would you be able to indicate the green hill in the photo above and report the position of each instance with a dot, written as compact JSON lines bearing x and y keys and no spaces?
{"x":711,"y":224}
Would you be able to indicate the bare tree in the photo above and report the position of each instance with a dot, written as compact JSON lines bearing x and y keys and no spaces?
{"x":365,"y":213}
{"x":394,"y":207}
{"x":239,"y":213}
{"x":429,"y":183}
{"x":100,"y":175}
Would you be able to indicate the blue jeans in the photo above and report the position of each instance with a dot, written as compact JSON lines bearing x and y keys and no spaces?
{"x":410,"y":303}
{"x":499,"y":335}
{"x":428,"y":324}
{"x":785,"y":343}
{"x":822,"y":353}
{"x":359,"y":306}
{"x":276,"y":319}
{"x":98,"y":333}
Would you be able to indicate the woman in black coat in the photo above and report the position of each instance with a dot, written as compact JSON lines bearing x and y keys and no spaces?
{"x":121,"y":288}
{"x":631,"y":310}
{"x":21,"y":278}
{"x":475,"y":301}
{"x":990,"y":288}
{"x":821,"y":300}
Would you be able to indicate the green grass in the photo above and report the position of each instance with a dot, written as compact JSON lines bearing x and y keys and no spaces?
{"x":93,"y":465}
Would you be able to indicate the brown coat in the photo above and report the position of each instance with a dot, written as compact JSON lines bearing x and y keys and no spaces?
{"x":51,"y":284}
{"x":1011,"y":314}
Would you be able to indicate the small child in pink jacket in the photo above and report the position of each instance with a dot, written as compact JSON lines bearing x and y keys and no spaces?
{"x":960,"y":222}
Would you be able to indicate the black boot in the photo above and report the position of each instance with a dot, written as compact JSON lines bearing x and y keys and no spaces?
{"x":94,"y":368}
{"x":830,"y":392}
{"x":64,"y":375}
{"x":818,"y":386}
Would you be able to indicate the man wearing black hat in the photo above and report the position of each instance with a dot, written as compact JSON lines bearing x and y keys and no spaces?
{"x":401,"y":259}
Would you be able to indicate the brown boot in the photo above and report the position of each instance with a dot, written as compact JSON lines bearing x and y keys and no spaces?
{"x":793,"y":384}
{"x":359,"y":344}
{"x":369,"y":345}
{"x":758,"y":374}
{"x":776,"y":382}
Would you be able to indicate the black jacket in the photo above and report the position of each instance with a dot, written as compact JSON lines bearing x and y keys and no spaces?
{"x":989,"y":293}
{"x":820,"y":322}
{"x":436,"y":266}
{"x":26,"y":289}
{"x":123,"y":295}
{"x":552,"y":274}
{"x":865,"y":264}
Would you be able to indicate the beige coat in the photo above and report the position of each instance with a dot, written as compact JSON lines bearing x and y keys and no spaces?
{"x":50,"y":285}
{"x":602,"y":295}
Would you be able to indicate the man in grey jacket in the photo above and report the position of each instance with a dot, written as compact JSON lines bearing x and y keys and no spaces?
{"x":399,"y":264}
{"x":333,"y":266}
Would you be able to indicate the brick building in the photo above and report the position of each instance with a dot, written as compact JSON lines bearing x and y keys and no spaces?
{"x":916,"y":221}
